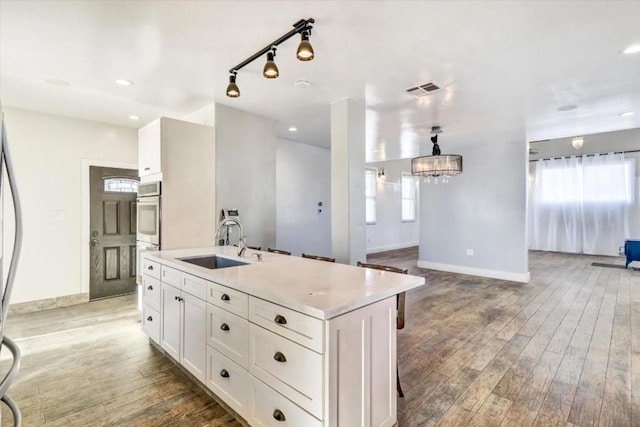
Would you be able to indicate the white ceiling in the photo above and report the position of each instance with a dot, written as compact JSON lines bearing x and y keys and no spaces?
{"x":505,"y":67}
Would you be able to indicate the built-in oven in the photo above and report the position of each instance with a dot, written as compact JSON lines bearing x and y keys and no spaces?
{"x":149,"y":213}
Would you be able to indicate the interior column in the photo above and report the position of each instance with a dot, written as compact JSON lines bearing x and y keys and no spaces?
{"x":348,"y":232}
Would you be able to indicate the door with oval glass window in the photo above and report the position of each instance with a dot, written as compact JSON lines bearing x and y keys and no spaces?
{"x":113,"y":231}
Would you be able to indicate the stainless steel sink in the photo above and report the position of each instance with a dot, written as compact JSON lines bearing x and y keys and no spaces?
{"x":213,"y":261}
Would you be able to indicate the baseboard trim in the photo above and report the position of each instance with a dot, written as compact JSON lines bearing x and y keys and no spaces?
{"x":493,"y":274}
{"x":47,"y":303}
{"x":393,"y":247}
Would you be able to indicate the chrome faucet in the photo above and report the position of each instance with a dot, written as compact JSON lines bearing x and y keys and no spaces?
{"x":242,"y":245}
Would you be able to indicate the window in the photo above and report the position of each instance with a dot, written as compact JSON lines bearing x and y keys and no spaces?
{"x":370,"y":195}
{"x":408,"y":198}
{"x":120,"y":185}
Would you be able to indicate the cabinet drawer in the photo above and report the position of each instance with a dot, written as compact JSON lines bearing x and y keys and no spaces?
{"x":151,"y":292}
{"x":151,"y":268}
{"x":271,"y":409}
{"x":292,"y":369}
{"x":298,"y":327}
{"x":229,"y":334}
{"x":229,"y":299}
{"x":229,"y":381}
{"x":151,"y":322}
{"x":194,"y":286}
{"x":171,"y":276}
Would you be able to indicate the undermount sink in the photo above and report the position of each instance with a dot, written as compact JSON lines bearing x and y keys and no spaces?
{"x":213,"y":261}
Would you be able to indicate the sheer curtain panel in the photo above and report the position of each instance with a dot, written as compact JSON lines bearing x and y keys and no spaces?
{"x":582,"y":204}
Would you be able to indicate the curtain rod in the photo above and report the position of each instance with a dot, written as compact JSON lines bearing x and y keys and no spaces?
{"x":585,"y":155}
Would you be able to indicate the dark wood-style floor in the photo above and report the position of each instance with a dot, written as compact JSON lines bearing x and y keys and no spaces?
{"x":562,"y":350}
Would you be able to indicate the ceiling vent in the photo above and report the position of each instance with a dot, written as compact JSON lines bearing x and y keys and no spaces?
{"x":423,"y":89}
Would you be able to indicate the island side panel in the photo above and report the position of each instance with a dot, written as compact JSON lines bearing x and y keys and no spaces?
{"x":361,"y":383}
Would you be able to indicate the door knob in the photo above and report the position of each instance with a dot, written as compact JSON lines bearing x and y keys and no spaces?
{"x":94,"y":243}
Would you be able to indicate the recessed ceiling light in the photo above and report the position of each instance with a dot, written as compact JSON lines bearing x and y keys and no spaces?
{"x":567,"y":107}
{"x":626,"y":114}
{"x":58,"y":82}
{"x":293,"y":129}
{"x":632,"y":49}
{"x":132,"y":117}
{"x":124,"y":82}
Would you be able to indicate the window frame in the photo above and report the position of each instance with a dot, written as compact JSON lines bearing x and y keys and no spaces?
{"x":413,"y":197}
{"x":368,"y":174}
{"x":121,"y":178}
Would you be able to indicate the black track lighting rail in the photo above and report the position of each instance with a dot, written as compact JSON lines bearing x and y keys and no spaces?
{"x":303,"y":25}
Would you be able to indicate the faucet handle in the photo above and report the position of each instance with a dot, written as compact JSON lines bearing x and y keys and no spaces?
{"x":258,"y":255}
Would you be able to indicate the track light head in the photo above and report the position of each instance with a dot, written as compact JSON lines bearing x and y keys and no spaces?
{"x":232,"y":89}
{"x":270,"y":68}
{"x":305,"y":50}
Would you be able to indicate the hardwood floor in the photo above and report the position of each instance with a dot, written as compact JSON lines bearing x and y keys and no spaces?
{"x":561,"y":350}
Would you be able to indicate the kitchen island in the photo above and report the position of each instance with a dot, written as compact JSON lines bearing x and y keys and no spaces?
{"x":285,"y":341}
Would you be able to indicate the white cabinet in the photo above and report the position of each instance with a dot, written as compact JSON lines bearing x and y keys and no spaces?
{"x":183,"y":331}
{"x":171,"y":320}
{"x":276,"y":366}
{"x":149,"y":149}
{"x":181,"y":155}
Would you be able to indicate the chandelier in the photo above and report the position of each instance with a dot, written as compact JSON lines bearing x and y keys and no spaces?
{"x":437,"y":165}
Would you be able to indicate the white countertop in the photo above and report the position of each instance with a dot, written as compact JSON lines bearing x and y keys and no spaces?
{"x":318,"y":288}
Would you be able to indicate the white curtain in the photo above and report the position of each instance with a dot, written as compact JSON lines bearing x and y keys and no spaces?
{"x":582,"y":204}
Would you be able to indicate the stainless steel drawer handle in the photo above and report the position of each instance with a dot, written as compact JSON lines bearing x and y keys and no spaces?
{"x":279,"y":415}
{"x":224,"y":373}
{"x":224,"y":327}
{"x":150,"y":287}
{"x":279,"y":357}
{"x":280,"y":320}
{"x":150,"y":319}
{"x":225,"y":297}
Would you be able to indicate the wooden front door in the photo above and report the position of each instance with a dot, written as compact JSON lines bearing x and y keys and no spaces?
{"x":113,"y":232}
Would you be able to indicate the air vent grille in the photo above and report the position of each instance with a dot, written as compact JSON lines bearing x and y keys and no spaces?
{"x":423,"y":89}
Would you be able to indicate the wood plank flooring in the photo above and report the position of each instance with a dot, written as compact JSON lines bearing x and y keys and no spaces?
{"x":563,"y":350}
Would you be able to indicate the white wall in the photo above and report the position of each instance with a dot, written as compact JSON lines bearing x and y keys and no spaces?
{"x":303,"y":178}
{"x":246,"y":172}
{"x":482,"y":209}
{"x":389,"y":232}
{"x":47,"y":152}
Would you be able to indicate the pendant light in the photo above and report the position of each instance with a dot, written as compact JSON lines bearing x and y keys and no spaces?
{"x":437,"y":164}
{"x":270,"y":70}
{"x":305,"y":50}
{"x":232,"y":89}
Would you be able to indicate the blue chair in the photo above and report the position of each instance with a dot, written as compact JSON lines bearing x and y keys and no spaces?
{"x":631,"y":251}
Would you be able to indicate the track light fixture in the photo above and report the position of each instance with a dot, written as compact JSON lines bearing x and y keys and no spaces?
{"x":270,"y":68}
{"x":305,"y":50}
{"x":232,"y":89}
{"x":270,"y":71}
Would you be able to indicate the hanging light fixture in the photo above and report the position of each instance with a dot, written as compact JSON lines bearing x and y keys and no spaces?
{"x":232,"y":88}
{"x":270,"y":71}
{"x":437,"y":165}
{"x":577,"y":142}
{"x":305,"y":50}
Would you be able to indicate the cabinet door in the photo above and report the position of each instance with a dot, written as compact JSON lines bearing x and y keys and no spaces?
{"x":171,"y":316}
{"x":149,"y":147}
{"x":194,"y":335}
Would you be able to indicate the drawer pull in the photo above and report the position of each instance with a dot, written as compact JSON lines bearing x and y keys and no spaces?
{"x":178,"y":298}
{"x":150,"y":267}
{"x":225,"y":297}
{"x":279,"y":415}
{"x":279,"y":357}
{"x":224,"y":327}
{"x":150,"y":319}
{"x":280,"y":320}
{"x":224,"y":373}
{"x":150,"y":287}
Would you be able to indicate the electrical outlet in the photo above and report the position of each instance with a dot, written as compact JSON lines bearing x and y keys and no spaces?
{"x":470,"y":252}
